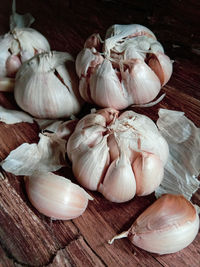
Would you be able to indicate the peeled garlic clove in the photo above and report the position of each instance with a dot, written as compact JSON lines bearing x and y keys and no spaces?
{"x":105,"y":87}
{"x":56,"y":196}
{"x":162,"y":66}
{"x":119,"y":182}
{"x":89,"y":163}
{"x":149,"y":171}
{"x":47,"y":87}
{"x":170,"y":224}
{"x":141,"y":82}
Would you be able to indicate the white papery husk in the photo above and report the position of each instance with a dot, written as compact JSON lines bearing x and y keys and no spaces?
{"x":47,"y":155}
{"x":183,"y":165}
{"x":10,"y":116}
{"x":47,"y":87}
{"x":22,"y":41}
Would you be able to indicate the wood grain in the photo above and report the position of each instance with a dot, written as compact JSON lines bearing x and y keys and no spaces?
{"x":28,"y":238}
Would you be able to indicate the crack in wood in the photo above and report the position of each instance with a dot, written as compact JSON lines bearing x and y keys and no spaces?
{"x":102,"y":261}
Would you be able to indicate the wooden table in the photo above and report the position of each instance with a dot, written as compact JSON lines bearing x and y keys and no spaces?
{"x":28,"y":238}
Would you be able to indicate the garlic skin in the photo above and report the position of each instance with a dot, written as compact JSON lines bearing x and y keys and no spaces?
{"x":117,"y":154}
{"x":170,"y":224}
{"x":47,"y":87}
{"x":56,"y":196}
{"x":130,"y":67}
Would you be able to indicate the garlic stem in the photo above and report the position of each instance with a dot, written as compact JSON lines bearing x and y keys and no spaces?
{"x":122,"y":235}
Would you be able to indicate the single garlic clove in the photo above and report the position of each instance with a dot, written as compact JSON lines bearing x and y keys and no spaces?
{"x":105,"y":87}
{"x":90,"y":163}
{"x":140,"y":81}
{"x":149,"y":171}
{"x":162,"y":66}
{"x":170,"y":224}
{"x":119,"y":182}
{"x":56,"y":196}
{"x":12,"y":65}
{"x":90,"y":136}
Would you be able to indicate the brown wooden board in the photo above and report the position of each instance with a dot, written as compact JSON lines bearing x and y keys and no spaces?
{"x":27,"y":238}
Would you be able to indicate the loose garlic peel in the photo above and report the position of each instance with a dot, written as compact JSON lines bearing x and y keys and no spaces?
{"x":170,"y":224}
{"x":17,"y":46}
{"x":47,"y":87}
{"x":129,"y":68}
{"x":117,"y":155}
{"x":56,"y":196}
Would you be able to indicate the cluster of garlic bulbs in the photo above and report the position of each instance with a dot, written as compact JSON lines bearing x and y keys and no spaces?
{"x":170,"y":224}
{"x":129,"y":68}
{"x":46,"y":86}
{"x":118,"y":155}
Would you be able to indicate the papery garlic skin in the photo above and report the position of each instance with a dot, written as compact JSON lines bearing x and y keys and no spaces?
{"x":170,"y":224}
{"x":47,"y":87}
{"x":129,"y":68}
{"x":116,"y":153}
{"x":56,"y":196}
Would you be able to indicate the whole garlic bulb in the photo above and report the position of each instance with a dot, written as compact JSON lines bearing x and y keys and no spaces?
{"x":129,"y":68}
{"x":20,"y":44}
{"x":118,"y":155}
{"x":47,"y":87}
{"x":170,"y":224}
{"x":56,"y":196}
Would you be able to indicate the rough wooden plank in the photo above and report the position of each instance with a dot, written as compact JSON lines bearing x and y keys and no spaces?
{"x":77,"y":253}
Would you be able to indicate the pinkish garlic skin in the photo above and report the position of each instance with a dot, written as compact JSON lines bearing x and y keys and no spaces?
{"x":105,"y":140}
{"x":118,"y":76}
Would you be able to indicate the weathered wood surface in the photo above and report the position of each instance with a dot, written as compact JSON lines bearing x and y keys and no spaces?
{"x":28,"y":238}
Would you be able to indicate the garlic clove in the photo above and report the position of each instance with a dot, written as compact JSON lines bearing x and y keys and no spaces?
{"x":56,"y":196}
{"x":149,"y":171}
{"x":90,"y":136}
{"x":106,"y":89}
{"x":12,"y":65}
{"x":89,"y":163}
{"x":170,"y":224}
{"x":119,"y":182}
{"x":162,"y":66}
{"x":140,"y":81}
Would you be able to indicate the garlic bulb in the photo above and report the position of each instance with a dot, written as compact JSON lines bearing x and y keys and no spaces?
{"x":170,"y":224}
{"x":56,"y":196}
{"x":20,"y":44}
{"x":46,"y":86}
{"x":129,"y":68}
{"x":118,"y":155}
